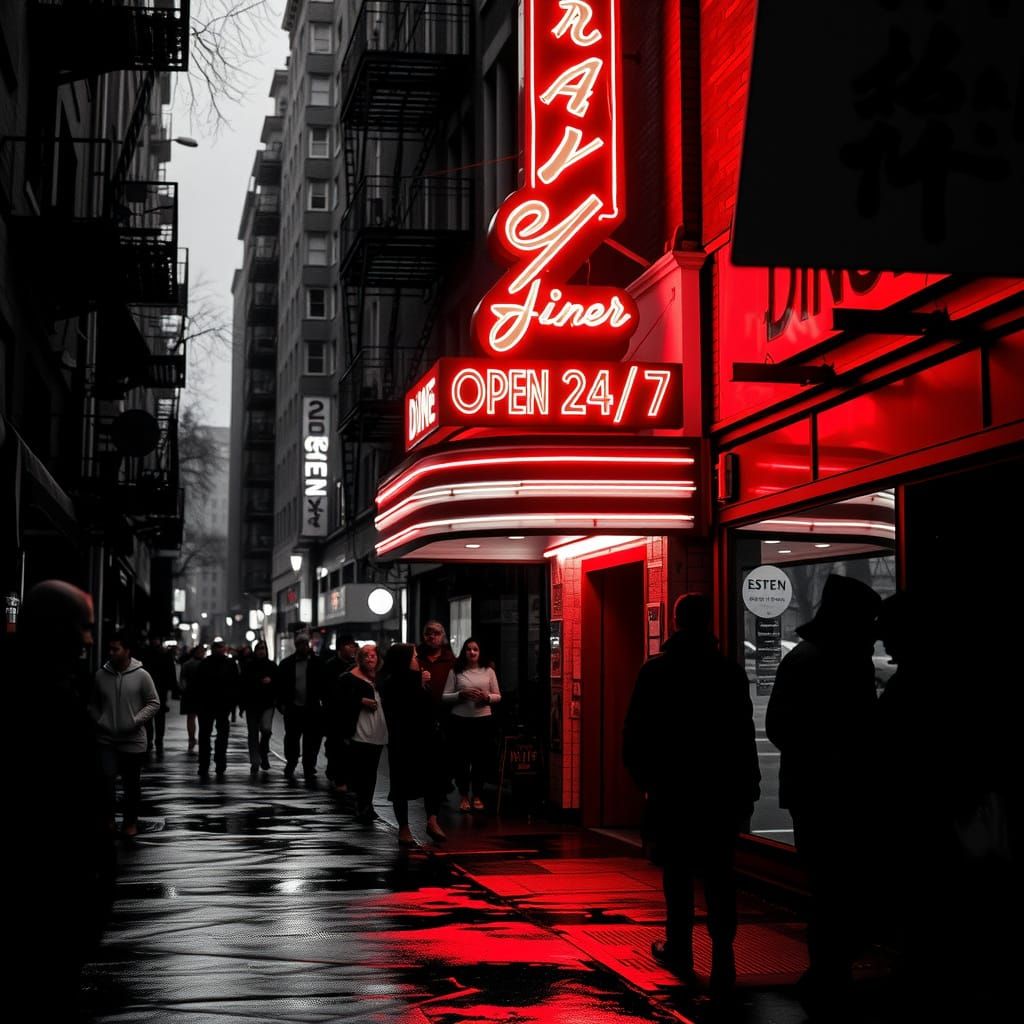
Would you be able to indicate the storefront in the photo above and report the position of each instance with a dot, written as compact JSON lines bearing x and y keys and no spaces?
{"x":554,"y":485}
{"x":894,"y":452}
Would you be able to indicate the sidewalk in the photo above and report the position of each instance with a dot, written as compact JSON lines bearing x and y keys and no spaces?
{"x":261,"y":901}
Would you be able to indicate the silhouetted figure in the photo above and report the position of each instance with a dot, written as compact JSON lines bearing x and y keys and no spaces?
{"x":471,"y":692}
{"x":415,"y":754}
{"x":64,"y":860}
{"x":214,"y":695}
{"x":337,"y":665}
{"x":187,"y":687}
{"x":688,"y":743}
{"x":124,"y":700}
{"x":258,"y":695}
{"x":301,"y":681}
{"x":821,"y":716}
{"x":159,"y":663}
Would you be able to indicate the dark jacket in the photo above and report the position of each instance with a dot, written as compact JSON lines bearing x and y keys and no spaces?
{"x":214,"y":687}
{"x":688,"y":740}
{"x":316,"y":682}
{"x":821,"y":716}
{"x":255,"y":694}
{"x":438,"y":669}
{"x":344,"y":703}
{"x":159,"y":663}
{"x":415,"y":755}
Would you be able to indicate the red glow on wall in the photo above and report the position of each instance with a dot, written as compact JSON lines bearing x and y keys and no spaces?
{"x":563,"y":396}
{"x":573,"y":197}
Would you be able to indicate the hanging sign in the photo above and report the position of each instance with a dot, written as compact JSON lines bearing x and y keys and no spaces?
{"x":316,"y":442}
{"x":573,"y":194}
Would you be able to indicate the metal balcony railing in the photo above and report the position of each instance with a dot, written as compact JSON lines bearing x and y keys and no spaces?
{"x":258,"y":468}
{"x":260,"y":389}
{"x":89,"y":37}
{"x":266,"y":214}
{"x":267,"y":166}
{"x":401,"y":60}
{"x":370,"y":391}
{"x":261,"y":347}
{"x":404,"y":230}
{"x":259,"y":428}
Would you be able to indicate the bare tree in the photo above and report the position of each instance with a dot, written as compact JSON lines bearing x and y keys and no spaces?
{"x":224,"y":37}
{"x":199,"y":457}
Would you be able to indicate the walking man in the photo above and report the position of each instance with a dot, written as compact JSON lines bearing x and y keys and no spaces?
{"x":124,"y":700}
{"x":301,"y":681}
{"x":215,"y":696}
{"x":159,"y":663}
{"x":688,"y":743}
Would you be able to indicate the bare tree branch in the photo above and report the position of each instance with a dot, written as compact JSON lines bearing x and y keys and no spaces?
{"x":225,"y":37}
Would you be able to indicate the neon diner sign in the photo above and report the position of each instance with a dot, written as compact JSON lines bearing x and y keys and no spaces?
{"x":572,"y":198}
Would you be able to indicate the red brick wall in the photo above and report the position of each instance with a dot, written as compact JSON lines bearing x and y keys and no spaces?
{"x":726,"y":40}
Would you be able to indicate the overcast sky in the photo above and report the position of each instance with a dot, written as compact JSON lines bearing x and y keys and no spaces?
{"x":212,"y":182}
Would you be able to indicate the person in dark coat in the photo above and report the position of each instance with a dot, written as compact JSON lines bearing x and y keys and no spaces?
{"x":258,"y":695}
{"x":415,"y":754}
{"x":63,"y":890}
{"x":301,"y":680}
{"x":357,"y":725}
{"x":214,"y":696}
{"x":337,"y":665}
{"x":159,"y":663}
{"x":187,"y":688}
{"x":822,"y":717}
{"x":688,"y":743}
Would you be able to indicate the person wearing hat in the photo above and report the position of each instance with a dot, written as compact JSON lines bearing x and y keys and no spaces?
{"x":821,"y":716}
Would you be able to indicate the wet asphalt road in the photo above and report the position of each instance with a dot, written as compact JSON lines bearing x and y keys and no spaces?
{"x":262,"y":901}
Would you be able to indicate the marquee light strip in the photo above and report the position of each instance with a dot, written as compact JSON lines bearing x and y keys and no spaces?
{"x":577,"y":547}
{"x":551,"y":456}
{"x":477,"y":491}
{"x":831,"y":525}
{"x":555,"y":521}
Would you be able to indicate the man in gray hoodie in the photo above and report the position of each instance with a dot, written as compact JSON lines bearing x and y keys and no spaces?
{"x":124,"y":699}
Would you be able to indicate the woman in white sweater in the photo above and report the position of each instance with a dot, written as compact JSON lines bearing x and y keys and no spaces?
{"x":472,"y":691}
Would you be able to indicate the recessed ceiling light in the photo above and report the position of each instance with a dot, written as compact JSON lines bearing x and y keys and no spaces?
{"x":472,"y":545}
{"x":823,"y":545}
{"x":785,"y":551}
{"x":518,"y":536}
{"x":773,"y":542}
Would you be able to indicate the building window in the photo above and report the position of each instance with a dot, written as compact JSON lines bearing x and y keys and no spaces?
{"x":320,"y":40}
{"x":320,"y":90}
{"x":319,"y":141}
{"x":316,"y":304}
{"x":317,"y":193}
{"x":316,"y":249}
{"x":316,"y":358}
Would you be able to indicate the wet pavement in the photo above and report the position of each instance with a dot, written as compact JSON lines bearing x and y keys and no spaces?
{"x":263,"y":900}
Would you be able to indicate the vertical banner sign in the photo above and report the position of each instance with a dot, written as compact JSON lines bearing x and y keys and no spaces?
{"x":573,"y":194}
{"x":316,"y":441}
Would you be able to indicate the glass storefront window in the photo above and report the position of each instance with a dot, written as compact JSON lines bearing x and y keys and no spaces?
{"x":796,"y":553}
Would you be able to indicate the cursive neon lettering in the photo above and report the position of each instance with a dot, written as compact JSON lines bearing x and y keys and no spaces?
{"x":576,"y":84}
{"x":569,"y":152}
{"x":578,"y":15}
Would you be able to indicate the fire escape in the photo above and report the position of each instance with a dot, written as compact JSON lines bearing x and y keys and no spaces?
{"x":402,"y":231}
{"x":96,"y":244}
{"x":260,"y":225}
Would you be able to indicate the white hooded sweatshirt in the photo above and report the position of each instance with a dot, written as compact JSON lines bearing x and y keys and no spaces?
{"x":122,"y":704}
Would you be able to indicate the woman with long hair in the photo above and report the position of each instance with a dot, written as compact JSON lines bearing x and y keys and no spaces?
{"x":357,"y":726}
{"x":415,"y":756}
{"x":471,"y":691}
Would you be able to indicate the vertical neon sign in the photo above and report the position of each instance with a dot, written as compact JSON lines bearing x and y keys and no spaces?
{"x":572,"y":197}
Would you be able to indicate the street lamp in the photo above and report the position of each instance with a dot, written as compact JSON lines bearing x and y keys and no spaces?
{"x":296,"y":561}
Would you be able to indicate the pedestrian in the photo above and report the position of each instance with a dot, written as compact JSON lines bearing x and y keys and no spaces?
{"x":124,"y":699}
{"x":415,"y":752}
{"x":301,"y":683}
{"x":159,"y":663}
{"x":215,"y":694}
{"x":471,"y":692}
{"x":337,"y":665}
{"x":688,"y":743}
{"x":187,"y":689}
{"x":64,"y":889}
{"x":437,"y":657}
{"x":358,"y":725}
{"x":258,"y":694}
{"x":822,"y":717}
